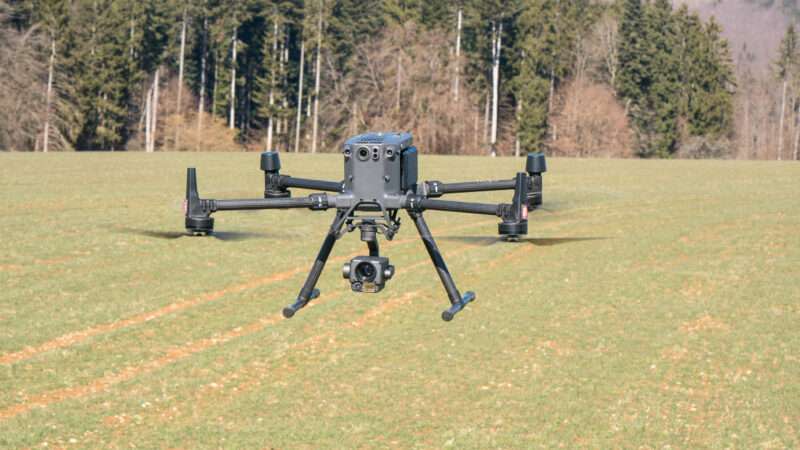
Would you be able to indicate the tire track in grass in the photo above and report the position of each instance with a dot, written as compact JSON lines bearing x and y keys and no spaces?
{"x":250,"y":375}
{"x":171,"y":356}
{"x":178,"y":353}
{"x":76,"y":337}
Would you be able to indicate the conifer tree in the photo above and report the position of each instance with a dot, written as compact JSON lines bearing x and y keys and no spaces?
{"x":648,"y":75}
{"x":549,"y":33}
{"x":269,"y":93}
{"x":785,"y":68}
{"x":536,"y":62}
{"x":710,"y":106}
{"x":660,"y":124}
{"x":632,"y":53}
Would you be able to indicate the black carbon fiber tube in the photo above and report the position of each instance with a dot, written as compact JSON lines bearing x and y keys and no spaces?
{"x":475,"y":186}
{"x":314,"y":185}
{"x":308,"y":292}
{"x":436,"y":257}
{"x":462,"y":207}
{"x":264,"y":203}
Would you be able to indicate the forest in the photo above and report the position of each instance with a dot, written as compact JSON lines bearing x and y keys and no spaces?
{"x":624,"y":78}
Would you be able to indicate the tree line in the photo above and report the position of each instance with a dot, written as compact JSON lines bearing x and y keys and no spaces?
{"x":471,"y":76}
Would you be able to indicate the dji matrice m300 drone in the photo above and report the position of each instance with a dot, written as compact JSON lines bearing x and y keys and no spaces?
{"x":380,"y":171}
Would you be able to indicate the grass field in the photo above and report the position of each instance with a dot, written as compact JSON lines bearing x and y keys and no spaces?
{"x":658,"y":305}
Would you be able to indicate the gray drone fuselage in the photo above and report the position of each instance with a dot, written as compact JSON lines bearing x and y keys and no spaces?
{"x":379,"y":170}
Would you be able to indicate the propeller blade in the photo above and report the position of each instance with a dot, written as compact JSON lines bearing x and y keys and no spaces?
{"x":477,"y":240}
{"x":158,"y":234}
{"x":549,"y":242}
{"x":231,"y":236}
{"x":236,"y":235}
{"x":539,"y":242}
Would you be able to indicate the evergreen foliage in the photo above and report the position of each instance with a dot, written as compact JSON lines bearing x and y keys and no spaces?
{"x":672,"y":67}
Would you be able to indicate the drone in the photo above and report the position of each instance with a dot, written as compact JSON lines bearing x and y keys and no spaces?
{"x":380,"y":179}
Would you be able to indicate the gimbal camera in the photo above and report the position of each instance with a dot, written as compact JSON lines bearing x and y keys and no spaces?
{"x":380,"y":179}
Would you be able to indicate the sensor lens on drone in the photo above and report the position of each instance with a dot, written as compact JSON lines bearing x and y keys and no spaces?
{"x":365,"y":272}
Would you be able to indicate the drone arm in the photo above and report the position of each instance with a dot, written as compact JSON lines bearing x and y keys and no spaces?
{"x":286,"y":181}
{"x":437,"y":188}
{"x":534,"y":168}
{"x":462,"y":207}
{"x":315,"y":202}
{"x":276,"y":185}
{"x":514,"y":215}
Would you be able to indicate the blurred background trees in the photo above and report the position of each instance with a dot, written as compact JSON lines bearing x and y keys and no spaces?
{"x":571,"y":77}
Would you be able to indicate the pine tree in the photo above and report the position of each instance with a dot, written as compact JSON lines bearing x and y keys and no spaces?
{"x":785,"y":68}
{"x":490,"y":31}
{"x":549,"y":34}
{"x":648,"y":75}
{"x":52,"y":16}
{"x":632,"y":53}
{"x":350,"y":23}
{"x":269,"y":92}
{"x":536,"y":62}
{"x":710,"y":106}
{"x":662,"y":99}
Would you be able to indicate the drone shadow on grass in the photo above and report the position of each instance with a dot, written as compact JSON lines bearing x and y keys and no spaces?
{"x":539,"y":242}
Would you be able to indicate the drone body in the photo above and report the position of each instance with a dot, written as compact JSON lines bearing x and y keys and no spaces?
{"x":380,"y":180}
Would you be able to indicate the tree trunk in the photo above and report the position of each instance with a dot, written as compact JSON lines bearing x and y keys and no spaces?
{"x":496,"y":86}
{"x":748,"y":139}
{"x":316,"y":83}
{"x":180,"y":77}
{"x":285,"y":86}
{"x":148,"y":116}
{"x":215,"y":86}
{"x":201,"y":108}
{"x":796,"y":133}
{"x":551,"y":95}
{"x":486,"y":120}
{"x":399,"y":82}
{"x":517,"y":143}
{"x":300,"y":95}
{"x":131,"y":36}
{"x":780,"y":125}
{"x":49,"y":102}
{"x":232,"y":118}
{"x":154,"y":129}
{"x":270,"y":121}
{"x":793,"y":118}
{"x":309,"y":99}
{"x":154,"y":112}
{"x":475,"y":125}
{"x":458,"y":54}
{"x":354,"y":119}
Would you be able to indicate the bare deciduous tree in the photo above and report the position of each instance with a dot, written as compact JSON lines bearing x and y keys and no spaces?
{"x":368,"y":99}
{"x":26,"y":60}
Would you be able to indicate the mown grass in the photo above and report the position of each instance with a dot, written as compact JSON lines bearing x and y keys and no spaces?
{"x":658,"y":307}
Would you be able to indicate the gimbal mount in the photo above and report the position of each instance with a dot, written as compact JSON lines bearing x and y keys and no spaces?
{"x":380,"y":179}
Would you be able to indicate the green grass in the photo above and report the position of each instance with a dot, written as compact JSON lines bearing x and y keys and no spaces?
{"x":673,"y":321}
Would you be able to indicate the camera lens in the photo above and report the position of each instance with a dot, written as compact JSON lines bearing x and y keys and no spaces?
{"x":365,"y":272}
{"x":363,"y":153}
